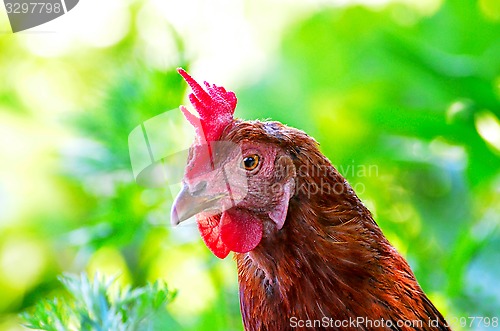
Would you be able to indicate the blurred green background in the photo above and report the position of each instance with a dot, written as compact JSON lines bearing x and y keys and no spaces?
{"x":404,"y":97}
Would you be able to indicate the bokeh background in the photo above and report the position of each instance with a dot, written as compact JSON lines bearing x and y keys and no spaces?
{"x":403,"y":95}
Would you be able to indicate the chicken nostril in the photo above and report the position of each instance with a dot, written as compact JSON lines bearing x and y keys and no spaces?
{"x":199,"y":188}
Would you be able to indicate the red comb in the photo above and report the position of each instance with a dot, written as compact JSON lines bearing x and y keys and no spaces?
{"x":215,"y":107}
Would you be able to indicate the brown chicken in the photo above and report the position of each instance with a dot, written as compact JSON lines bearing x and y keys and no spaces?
{"x":309,"y":254}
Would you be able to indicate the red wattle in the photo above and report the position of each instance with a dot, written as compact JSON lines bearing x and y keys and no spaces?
{"x":240,"y":231}
{"x":210,"y":232}
{"x":235,"y":230}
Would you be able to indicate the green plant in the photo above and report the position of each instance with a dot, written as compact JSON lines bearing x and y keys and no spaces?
{"x":100,"y":305}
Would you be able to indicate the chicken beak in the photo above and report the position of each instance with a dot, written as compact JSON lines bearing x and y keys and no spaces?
{"x":187,"y":205}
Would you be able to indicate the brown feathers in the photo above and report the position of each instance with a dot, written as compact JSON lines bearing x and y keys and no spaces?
{"x":330,"y":261}
{"x":309,"y":254}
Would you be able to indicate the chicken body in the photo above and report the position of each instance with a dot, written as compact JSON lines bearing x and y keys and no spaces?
{"x":309,"y":254}
{"x":330,"y":266}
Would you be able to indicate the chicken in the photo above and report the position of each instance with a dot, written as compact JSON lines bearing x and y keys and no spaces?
{"x":308,"y":252}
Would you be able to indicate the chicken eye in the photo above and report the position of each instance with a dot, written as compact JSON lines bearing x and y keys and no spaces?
{"x":250,"y":162}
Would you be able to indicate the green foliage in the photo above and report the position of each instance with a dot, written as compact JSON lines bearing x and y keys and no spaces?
{"x":410,"y":92}
{"x":100,"y":305}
